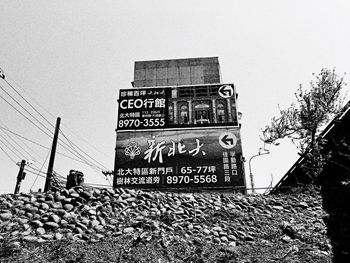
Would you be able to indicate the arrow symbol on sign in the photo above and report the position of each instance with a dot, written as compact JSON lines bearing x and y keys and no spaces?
{"x":226,"y":140}
{"x":226,"y":91}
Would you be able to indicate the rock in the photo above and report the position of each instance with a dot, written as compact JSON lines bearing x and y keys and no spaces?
{"x":68,"y":207}
{"x":286,"y":239}
{"x":30,"y":238}
{"x":37,"y":223}
{"x":99,"y":228}
{"x":232,"y":244}
{"x":40,"y":231}
{"x":55,"y":218}
{"x":303,"y":205}
{"x":217,"y":240}
{"x":217,"y":229}
{"x":128,"y":230}
{"x":6,"y":216}
{"x":51,"y":225}
{"x":224,"y":239}
{"x":206,"y":231}
{"x":58,"y":236}
{"x":45,"y":206}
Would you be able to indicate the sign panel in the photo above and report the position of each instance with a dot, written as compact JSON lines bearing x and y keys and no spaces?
{"x":188,"y":158}
{"x":177,"y":107}
{"x":143,"y":108}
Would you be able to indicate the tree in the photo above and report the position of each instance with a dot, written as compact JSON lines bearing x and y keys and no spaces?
{"x":303,"y":121}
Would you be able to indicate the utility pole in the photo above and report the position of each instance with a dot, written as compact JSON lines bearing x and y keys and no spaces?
{"x":52,"y":157}
{"x":20,"y":176}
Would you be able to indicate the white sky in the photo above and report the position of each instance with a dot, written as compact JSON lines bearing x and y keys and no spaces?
{"x":73,"y":56}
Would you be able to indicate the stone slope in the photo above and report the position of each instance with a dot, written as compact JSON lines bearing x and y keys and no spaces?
{"x":91,"y":215}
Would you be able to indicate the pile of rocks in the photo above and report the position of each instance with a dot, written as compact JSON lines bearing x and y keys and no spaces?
{"x":92,"y":214}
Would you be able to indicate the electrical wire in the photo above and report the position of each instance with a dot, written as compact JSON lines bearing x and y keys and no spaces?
{"x":19,"y":146}
{"x":7,"y":155}
{"x":47,"y":156}
{"x":93,"y":167}
{"x":11,"y":150}
{"x":70,"y":147}
{"x":63,"y":144}
{"x":74,"y":147}
{"x":38,"y":104}
{"x":8,"y":94}
{"x":30,"y":104}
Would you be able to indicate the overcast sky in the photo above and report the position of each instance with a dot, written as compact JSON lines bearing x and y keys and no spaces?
{"x":70,"y":58}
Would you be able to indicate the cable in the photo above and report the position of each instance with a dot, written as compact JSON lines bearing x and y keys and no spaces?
{"x":24,"y":108}
{"x":7,"y":155}
{"x":93,"y":167}
{"x":47,"y":156}
{"x":25,"y":116}
{"x":64,"y":146}
{"x":18,"y":156}
{"x":75,"y":152}
{"x":38,"y":104}
{"x":20,"y":146}
{"x":29,"y":104}
{"x":73,"y":146}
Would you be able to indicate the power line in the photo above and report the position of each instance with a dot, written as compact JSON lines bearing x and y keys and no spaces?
{"x":29,"y":104}
{"x":38,"y":104}
{"x":94,"y":167}
{"x":38,"y":144}
{"x":8,"y":94}
{"x":18,"y":145}
{"x":18,"y":156}
{"x":63,"y":144}
{"x":73,"y":146}
{"x":25,"y":116}
{"x":7,"y":155}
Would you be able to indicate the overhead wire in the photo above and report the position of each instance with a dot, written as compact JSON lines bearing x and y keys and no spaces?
{"x":11,"y":150}
{"x":84,"y":159}
{"x":7,"y":154}
{"x":63,"y":144}
{"x":75,"y":147}
{"x":70,"y":146}
{"x":38,"y":104}
{"x":40,"y":145}
{"x":21,"y":147}
{"x":29,"y":104}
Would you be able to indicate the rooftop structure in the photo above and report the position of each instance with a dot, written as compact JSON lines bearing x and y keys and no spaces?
{"x":176,"y":72}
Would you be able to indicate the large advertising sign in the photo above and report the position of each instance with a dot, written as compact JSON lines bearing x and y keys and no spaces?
{"x":148,"y":108}
{"x":143,"y":108}
{"x":179,"y":158}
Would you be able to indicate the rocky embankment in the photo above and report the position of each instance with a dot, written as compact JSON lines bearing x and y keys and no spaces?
{"x":231,"y":220}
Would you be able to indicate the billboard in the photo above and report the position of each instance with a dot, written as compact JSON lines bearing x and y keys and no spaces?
{"x":143,"y":108}
{"x":160,"y":108}
{"x":179,"y":158}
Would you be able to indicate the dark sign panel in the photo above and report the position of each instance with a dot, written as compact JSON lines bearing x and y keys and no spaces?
{"x":186,"y":158}
{"x":177,"y":107}
{"x":143,"y":108}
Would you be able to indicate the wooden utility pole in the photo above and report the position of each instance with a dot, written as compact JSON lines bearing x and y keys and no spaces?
{"x":52,"y":157}
{"x":20,"y":176}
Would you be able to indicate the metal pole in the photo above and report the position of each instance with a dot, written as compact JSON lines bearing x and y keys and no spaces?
{"x":20,"y":176}
{"x":250,"y":169}
{"x":52,"y":157}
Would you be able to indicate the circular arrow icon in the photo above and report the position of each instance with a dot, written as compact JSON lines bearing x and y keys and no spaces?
{"x":227,"y":140}
{"x":226,"y":91}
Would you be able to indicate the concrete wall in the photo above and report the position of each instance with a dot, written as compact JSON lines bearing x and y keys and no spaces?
{"x":174,"y":72}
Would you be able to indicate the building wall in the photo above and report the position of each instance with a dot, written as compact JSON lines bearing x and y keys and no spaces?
{"x":176,"y":72}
